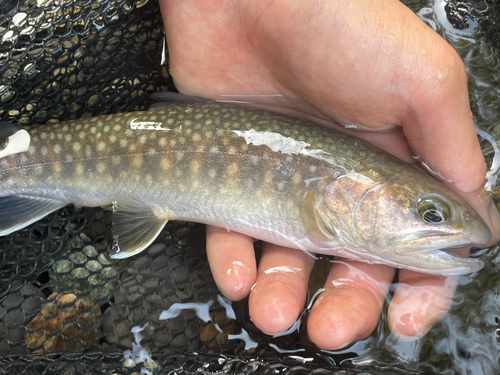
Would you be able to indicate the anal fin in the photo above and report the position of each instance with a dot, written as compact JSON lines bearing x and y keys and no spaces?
{"x":19,"y":211}
{"x":135,"y":227}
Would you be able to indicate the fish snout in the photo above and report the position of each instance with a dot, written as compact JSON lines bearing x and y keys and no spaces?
{"x":480,"y":234}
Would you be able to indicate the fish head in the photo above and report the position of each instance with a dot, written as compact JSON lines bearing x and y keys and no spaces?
{"x":404,"y":218}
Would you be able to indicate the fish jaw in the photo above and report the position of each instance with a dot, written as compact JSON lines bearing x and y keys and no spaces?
{"x":436,"y":262}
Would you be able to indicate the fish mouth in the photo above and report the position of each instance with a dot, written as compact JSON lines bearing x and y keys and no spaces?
{"x":429,"y":241}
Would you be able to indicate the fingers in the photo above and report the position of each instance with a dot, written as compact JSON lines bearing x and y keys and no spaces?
{"x":279,"y":294}
{"x":420,"y":301}
{"x":350,"y":307}
{"x":280,"y":289}
{"x":439,"y":124}
{"x":232,"y":262}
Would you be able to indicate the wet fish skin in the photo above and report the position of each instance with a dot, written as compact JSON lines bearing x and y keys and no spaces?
{"x":267,"y":175}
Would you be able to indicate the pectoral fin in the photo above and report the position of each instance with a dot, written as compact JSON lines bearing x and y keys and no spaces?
{"x":18,"y":211}
{"x":135,"y":227}
{"x":312,"y":223}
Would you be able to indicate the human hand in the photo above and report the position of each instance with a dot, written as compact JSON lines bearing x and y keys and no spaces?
{"x":365,"y":63}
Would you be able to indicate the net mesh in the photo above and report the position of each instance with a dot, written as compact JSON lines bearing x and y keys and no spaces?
{"x":62,"y":59}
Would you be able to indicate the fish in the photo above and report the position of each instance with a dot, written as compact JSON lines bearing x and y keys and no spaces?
{"x":267,"y":175}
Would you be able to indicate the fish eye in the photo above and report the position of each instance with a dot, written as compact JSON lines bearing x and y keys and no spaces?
{"x":433,"y":210}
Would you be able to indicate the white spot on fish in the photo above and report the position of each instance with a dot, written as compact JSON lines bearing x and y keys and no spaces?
{"x":76,"y":147}
{"x":18,"y":142}
{"x":44,"y":151}
{"x":297,"y":178}
{"x":88,"y":151}
{"x":101,"y":146}
{"x":79,"y":169}
{"x":101,"y":167}
{"x":57,"y":148}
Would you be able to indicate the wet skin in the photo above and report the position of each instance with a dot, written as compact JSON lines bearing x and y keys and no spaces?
{"x":365,"y":63}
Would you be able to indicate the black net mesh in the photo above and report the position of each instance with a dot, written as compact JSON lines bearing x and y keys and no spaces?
{"x":63,"y":59}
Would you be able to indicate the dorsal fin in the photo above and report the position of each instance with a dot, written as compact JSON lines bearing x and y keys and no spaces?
{"x":166,"y":99}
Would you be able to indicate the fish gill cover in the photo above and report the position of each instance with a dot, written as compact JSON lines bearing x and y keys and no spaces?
{"x":66,"y":307}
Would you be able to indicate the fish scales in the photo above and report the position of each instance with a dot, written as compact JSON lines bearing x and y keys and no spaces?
{"x":101,"y":158}
{"x":264,"y":174}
